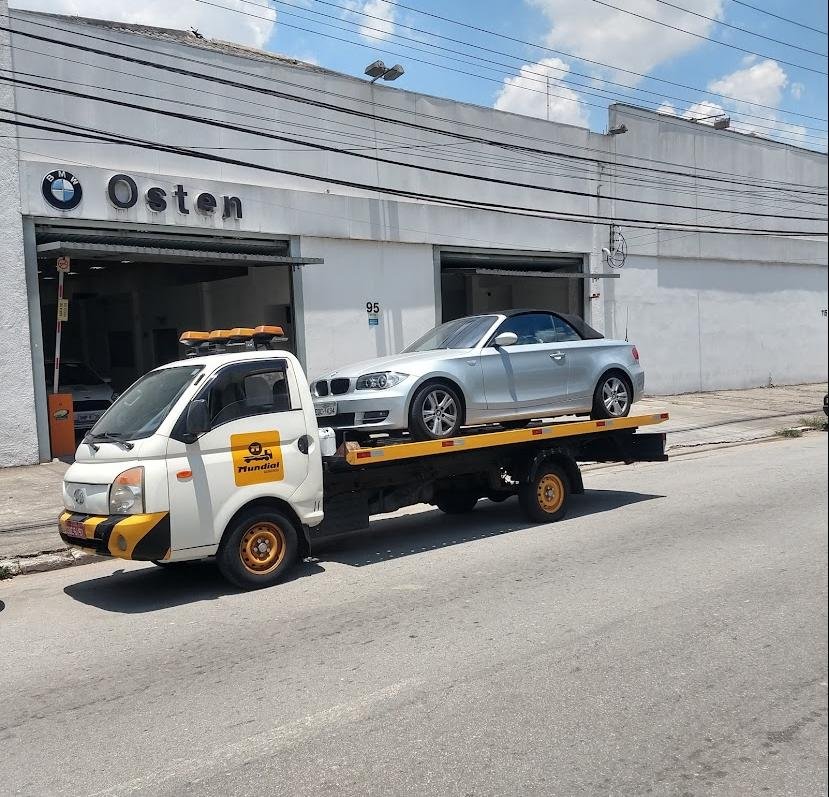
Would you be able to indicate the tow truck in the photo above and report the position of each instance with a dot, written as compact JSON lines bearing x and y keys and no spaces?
{"x":220,"y":455}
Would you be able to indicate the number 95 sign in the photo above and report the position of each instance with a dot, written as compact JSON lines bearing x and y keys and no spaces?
{"x":373,"y":310}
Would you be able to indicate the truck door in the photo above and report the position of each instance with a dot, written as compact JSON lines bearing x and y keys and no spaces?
{"x":530,"y":374}
{"x":251,"y":450}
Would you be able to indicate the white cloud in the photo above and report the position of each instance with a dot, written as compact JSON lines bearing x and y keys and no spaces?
{"x":380,"y":19}
{"x":797,"y":90}
{"x":762,"y":82}
{"x":212,"y":22}
{"x":526,"y":93}
{"x":667,"y":108}
{"x":599,"y":33}
{"x":703,"y":109}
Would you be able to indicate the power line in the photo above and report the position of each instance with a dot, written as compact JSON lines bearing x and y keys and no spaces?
{"x":742,"y":30}
{"x":471,"y":159}
{"x":612,"y":67}
{"x":708,"y":38}
{"x":541,"y":78}
{"x":540,"y":213}
{"x":776,"y":16}
{"x":387,"y":161}
{"x":751,"y":181}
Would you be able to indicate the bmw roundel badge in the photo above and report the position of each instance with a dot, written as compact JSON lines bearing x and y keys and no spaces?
{"x":62,"y":190}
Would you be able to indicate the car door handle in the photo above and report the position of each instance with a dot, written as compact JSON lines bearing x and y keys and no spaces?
{"x":558,"y":355}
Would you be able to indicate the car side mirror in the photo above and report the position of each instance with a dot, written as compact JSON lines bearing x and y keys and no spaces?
{"x":505,"y":339}
{"x":198,"y":419}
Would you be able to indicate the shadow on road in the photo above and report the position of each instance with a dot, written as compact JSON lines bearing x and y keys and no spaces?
{"x":393,"y":538}
{"x":152,"y":588}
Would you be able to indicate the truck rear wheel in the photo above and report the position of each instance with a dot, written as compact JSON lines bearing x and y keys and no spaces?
{"x":545,"y":497}
{"x":258,"y":549}
{"x":456,"y":503}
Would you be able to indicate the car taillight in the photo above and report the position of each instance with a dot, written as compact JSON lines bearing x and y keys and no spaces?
{"x":635,"y":352}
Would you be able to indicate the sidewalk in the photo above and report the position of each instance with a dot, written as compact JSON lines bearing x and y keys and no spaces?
{"x":30,"y":497}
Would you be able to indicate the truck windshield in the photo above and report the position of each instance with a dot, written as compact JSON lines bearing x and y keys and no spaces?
{"x":462,"y":333}
{"x":139,"y":411}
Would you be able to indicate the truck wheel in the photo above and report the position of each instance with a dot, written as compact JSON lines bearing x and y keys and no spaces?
{"x":544,"y":499}
{"x":456,"y":503}
{"x":612,"y":397}
{"x":436,"y":412}
{"x":258,"y":549}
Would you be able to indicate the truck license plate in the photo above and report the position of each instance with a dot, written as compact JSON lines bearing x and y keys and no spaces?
{"x":326,"y":410}
{"x":74,"y":528}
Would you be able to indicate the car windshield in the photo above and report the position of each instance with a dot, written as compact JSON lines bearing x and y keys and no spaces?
{"x":140,"y":410}
{"x":72,"y":374}
{"x":462,"y":333}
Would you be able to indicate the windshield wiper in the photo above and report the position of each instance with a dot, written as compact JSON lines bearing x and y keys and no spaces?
{"x":112,"y":437}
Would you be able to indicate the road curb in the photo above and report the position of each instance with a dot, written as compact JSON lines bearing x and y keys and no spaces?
{"x":45,"y":561}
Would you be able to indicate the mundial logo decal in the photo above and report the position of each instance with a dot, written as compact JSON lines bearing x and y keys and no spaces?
{"x":62,"y":190}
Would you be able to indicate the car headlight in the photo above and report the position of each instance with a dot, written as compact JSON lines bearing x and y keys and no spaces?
{"x":126,"y":495}
{"x":380,"y":380}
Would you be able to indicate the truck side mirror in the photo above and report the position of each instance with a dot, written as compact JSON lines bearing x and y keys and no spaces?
{"x":198,"y":419}
{"x":505,"y":339}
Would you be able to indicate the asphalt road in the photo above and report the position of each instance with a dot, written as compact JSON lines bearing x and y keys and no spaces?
{"x":668,"y":638}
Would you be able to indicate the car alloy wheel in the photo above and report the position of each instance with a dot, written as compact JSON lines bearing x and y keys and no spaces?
{"x":615,"y":397}
{"x":439,"y":412}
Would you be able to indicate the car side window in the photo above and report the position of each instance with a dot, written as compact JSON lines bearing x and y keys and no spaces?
{"x":565,"y":333}
{"x":248,"y":389}
{"x":531,"y":328}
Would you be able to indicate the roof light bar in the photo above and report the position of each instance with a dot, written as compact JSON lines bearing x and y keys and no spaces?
{"x":218,"y":341}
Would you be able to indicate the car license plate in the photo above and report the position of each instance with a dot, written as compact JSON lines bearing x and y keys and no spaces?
{"x":326,"y":410}
{"x":74,"y":528}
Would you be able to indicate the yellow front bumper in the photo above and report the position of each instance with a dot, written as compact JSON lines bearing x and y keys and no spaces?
{"x":144,"y":538}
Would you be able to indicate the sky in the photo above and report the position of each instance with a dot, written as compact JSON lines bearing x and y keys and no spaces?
{"x":560,"y":59}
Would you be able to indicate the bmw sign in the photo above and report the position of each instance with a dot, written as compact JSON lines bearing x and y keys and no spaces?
{"x":62,"y":190}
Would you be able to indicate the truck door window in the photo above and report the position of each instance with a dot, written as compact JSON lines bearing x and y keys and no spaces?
{"x":248,"y":389}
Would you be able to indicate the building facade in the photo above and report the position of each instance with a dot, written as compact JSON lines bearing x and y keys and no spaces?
{"x":200,"y":185}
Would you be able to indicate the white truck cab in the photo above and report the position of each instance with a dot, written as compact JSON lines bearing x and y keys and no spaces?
{"x":220,"y":456}
{"x":187,"y":448}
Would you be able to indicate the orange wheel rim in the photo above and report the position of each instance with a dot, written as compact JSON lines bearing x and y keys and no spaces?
{"x":550,"y":493}
{"x":262,"y":548}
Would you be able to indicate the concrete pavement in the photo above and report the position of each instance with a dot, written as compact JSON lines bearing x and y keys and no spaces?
{"x":668,"y":638}
{"x":30,"y":498}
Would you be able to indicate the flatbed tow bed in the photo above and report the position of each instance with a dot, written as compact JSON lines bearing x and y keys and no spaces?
{"x":540,"y":464}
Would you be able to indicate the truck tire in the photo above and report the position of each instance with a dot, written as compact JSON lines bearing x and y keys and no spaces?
{"x":436,"y":412}
{"x":258,"y":548}
{"x":545,"y":497}
{"x":458,"y":503}
{"x":612,"y":397}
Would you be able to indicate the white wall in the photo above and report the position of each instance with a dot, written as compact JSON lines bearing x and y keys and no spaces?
{"x":398,"y":276}
{"x":707,"y":325}
{"x":18,"y":442}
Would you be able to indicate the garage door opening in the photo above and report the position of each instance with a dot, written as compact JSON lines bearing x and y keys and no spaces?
{"x":479,"y":281}
{"x":131,"y":295}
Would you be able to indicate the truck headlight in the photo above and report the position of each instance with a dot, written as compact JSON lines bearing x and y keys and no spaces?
{"x":380,"y":380}
{"x":126,"y":495}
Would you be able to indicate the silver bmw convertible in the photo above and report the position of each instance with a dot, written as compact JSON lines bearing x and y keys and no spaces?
{"x":507,"y":368}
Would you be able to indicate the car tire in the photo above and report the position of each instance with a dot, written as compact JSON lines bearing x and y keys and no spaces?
{"x":613,"y":397}
{"x":444,"y":404}
{"x":258,"y":548}
{"x":545,"y":497}
{"x":457,"y":503}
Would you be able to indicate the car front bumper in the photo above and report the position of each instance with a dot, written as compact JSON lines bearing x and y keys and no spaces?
{"x":144,"y":538}
{"x":363,"y":409}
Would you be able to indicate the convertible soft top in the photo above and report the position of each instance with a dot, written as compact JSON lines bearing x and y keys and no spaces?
{"x":577,"y":322}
